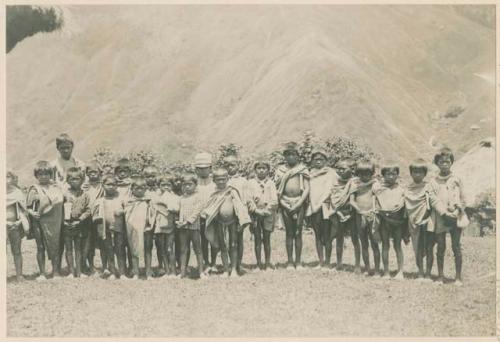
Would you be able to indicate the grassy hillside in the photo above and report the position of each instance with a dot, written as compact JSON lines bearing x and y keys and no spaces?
{"x":178,"y":78}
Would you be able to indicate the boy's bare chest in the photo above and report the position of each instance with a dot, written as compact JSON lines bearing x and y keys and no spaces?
{"x":293,"y":187}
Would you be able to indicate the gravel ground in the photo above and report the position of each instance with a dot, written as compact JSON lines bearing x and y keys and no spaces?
{"x":272,"y":303}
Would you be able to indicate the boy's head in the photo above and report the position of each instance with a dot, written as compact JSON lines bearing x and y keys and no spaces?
{"x":189,"y":182}
{"x":165,"y":183}
{"x":150,"y":174}
{"x":11,"y":178}
{"x":203,"y":164}
{"x":64,"y":145}
{"x":345,"y":168}
{"x":109,"y":184}
{"x":44,"y":172}
{"x":418,"y":170}
{"x":75,"y":178}
{"x":261,"y":168}
{"x":291,"y":153}
{"x":122,"y":168}
{"x":138,"y":186}
{"x":93,"y":171}
{"x":444,"y":159}
{"x":365,"y":170}
{"x":319,"y":158}
{"x":390,"y":172}
{"x":231,"y":163}
{"x":220,"y":177}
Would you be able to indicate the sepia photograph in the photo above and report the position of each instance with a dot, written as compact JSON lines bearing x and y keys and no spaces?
{"x":250,"y":170}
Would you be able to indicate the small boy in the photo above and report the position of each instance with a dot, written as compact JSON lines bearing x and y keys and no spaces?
{"x":107,"y":216}
{"x":389,"y":197}
{"x":203,"y":170}
{"x":138,"y":225}
{"x":45,"y":209}
{"x":17,"y":221}
{"x":93,"y":189}
{"x":449,"y":190}
{"x":191,"y":204}
{"x":76,"y":213}
{"x":226,"y":216}
{"x":65,"y":160}
{"x":263,"y":202}
{"x":292,"y":180}
{"x":322,"y":179}
{"x":362,"y":199}
{"x":122,"y":173}
{"x":420,"y":199}
{"x":341,"y":217}
{"x":240,"y":183}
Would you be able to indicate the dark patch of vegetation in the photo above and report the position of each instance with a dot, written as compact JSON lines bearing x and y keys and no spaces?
{"x":454,"y":111}
{"x":24,"y":21}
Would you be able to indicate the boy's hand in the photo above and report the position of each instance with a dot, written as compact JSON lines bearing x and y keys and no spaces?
{"x":180,"y":223}
{"x":34,"y":214}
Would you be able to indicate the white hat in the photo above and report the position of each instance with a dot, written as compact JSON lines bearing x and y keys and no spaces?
{"x":203,"y":159}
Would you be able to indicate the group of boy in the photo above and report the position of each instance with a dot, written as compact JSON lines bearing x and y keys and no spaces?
{"x":77,"y":208}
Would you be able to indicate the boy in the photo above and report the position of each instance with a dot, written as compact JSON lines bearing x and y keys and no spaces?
{"x":76,"y":213}
{"x":203,"y":169}
{"x":17,"y":221}
{"x":389,"y":197}
{"x":122,"y":173}
{"x":191,"y":204}
{"x":150,"y":174}
{"x":139,"y":229}
{"x":65,"y":160}
{"x":363,"y":201}
{"x":238,"y":182}
{"x":341,"y":217}
{"x":225,"y":214}
{"x":321,"y":183}
{"x":263,"y":202}
{"x":292,"y":180}
{"x":45,"y":209}
{"x":420,"y":199}
{"x":449,"y":190}
{"x":94,"y":190}
{"x":107,"y":216}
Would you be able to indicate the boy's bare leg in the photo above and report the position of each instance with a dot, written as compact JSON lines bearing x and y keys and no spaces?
{"x":161,"y":240}
{"x":340,"y":249}
{"x":170,"y":253}
{"x":289,"y":231}
{"x":376,"y":251}
{"x":299,"y":225}
{"x":213,"y":256}
{"x":239,"y":243}
{"x":257,"y":231}
{"x":233,"y":247}
{"x":102,"y":253}
{"x":441,"y":248}
{"x":267,"y":247}
{"x":421,"y":248}
{"x":135,"y":267}
{"x":15,"y":247}
{"x":355,"y":243}
{"x":110,"y":253}
{"x":204,"y":242}
{"x":195,"y":237}
{"x":148,"y":251}
{"x":183,"y":237}
{"x":397,"y":237}
{"x":159,"y":252}
{"x":384,"y":234}
{"x":40,"y":252}
{"x":430,"y":241}
{"x":68,"y":242}
{"x":317,"y":228}
{"x":363,"y":237}
{"x":328,"y":236}
{"x":78,"y":255}
{"x":119,"y":250}
{"x":456,"y":234}
{"x":223,"y":248}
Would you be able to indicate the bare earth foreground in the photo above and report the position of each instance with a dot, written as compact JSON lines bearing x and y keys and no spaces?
{"x":275,"y":303}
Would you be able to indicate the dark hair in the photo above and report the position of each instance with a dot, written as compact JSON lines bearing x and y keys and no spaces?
{"x":219,"y":172}
{"x":43,"y":166}
{"x":365,"y":165}
{"x":349,"y":161}
{"x":419,"y":164}
{"x":261,"y":162}
{"x":92,"y":166}
{"x":150,"y":167}
{"x":189,"y":177}
{"x":64,"y":139}
{"x":444,"y":152}
{"x":136,"y":180}
{"x":389,"y":167}
{"x":74,"y":172}
{"x":123,"y":163}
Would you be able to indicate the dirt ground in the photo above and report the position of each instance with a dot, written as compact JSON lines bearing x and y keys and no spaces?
{"x":273,"y":303}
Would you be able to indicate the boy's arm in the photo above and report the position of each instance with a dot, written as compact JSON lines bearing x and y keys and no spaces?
{"x":304,"y":196}
{"x":86,"y":207}
{"x":352,"y":202}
